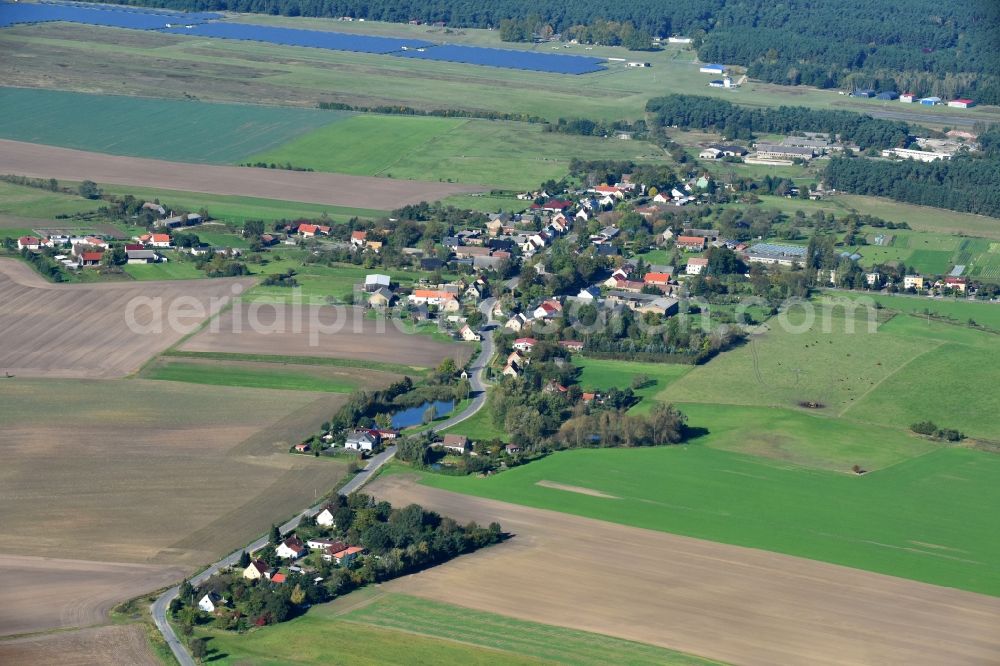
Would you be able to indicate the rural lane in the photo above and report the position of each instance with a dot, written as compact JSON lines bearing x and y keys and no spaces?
{"x":477,"y":368}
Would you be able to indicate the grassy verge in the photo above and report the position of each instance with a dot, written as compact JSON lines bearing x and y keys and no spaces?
{"x":412,"y":370}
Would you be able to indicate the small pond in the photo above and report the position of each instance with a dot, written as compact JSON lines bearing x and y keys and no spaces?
{"x":415,"y":415}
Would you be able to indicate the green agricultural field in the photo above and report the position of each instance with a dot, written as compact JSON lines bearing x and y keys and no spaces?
{"x":183,"y":131}
{"x":899,"y":520}
{"x":279,"y":359}
{"x":960,"y":311}
{"x":32,"y":202}
{"x":546,"y":642}
{"x":174,"y":269}
{"x":485,"y":203}
{"x":238,"y":209}
{"x":825,"y":363}
{"x":404,"y":630}
{"x":603,"y":374}
{"x":318,"y":281}
{"x":953,"y":385}
{"x":804,"y":439}
{"x":499,"y":154}
{"x":255,"y":375}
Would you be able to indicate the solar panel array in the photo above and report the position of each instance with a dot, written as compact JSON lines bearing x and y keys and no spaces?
{"x":195,"y":24}
{"x":320,"y":39}
{"x":106,"y":15}
{"x":772,"y":248}
{"x":538,"y":62}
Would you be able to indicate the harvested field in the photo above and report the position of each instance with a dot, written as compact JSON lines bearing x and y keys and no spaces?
{"x":28,"y":159}
{"x":51,"y":593}
{"x":115,"y":644}
{"x":320,"y":331}
{"x":723,"y":602}
{"x":52,"y":330}
{"x":152,"y":472}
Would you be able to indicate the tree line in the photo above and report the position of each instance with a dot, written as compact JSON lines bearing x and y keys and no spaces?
{"x":739,"y":122}
{"x":969,"y":184}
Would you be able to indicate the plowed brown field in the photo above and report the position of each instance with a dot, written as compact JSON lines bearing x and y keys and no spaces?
{"x":82,"y":330}
{"x":321,"y":331}
{"x":38,"y":161}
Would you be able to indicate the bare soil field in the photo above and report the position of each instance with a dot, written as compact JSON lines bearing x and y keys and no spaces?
{"x":52,"y":593}
{"x":81,"y":330}
{"x":320,"y":331}
{"x":115,"y":644}
{"x":718,"y":601}
{"x":38,"y":161}
{"x":152,"y":472}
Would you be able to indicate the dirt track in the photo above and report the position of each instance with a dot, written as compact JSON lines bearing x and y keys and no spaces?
{"x":38,"y":161}
{"x":342,"y":332}
{"x":49,"y":593}
{"x":734,"y":604}
{"x":80,"y":330}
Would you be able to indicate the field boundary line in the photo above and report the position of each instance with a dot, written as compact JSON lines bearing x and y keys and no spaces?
{"x":940,"y":343}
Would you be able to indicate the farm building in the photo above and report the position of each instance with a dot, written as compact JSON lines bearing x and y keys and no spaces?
{"x":678,"y":40}
{"x":930,"y":101}
{"x":907,"y":98}
{"x":887,"y":95}
{"x":690,"y":243}
{"x":783,"y":255}
{"x":774,"y":151}
{"x":867,"y":93}
{"x":918,"y":155}
{"x":712,"y":69}
{"x":375,"y":281}
{"x":142,"y":256}
{"x":961,"y":103}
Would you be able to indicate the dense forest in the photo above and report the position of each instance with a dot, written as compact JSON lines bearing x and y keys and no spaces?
{"x":924,"y":46}
{"x":967,"y":183}
{"x":740,"y":122}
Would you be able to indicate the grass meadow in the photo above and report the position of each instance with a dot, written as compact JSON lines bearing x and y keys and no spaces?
{"x":32,"y":202}
{"x":368,"y":627}
{"x":255,"y":375}
{"x":603,"y":374}
{"x":783,"y":367}
{"x":499,"y":154}
{"x":178,"y":130}
{"x":238,"y":209}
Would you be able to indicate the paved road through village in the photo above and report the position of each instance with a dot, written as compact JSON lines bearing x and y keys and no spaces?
{"x":478,"y":392}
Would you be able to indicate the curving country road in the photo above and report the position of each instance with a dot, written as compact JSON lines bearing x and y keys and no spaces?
{"x":477,"y":368}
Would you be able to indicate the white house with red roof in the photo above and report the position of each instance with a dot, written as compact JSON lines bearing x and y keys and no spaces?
{"x":291,"y":548}
{"x":313,"y":230}
{"x":31,"y":243}
{"x":524,"y":344}
{"x":359,"y":238}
